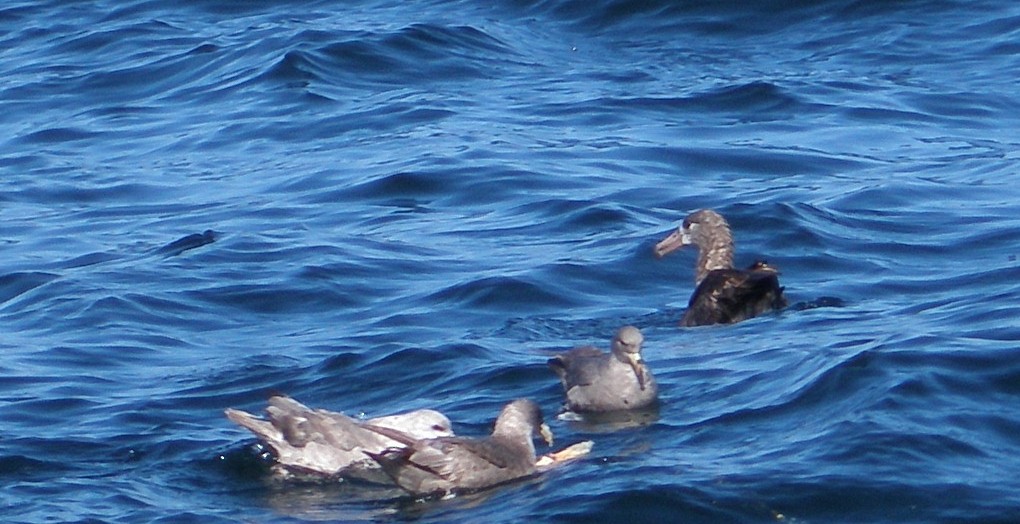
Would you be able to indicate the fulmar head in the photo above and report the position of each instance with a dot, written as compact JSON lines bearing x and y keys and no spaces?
{"x":521,"y":418}
{"x":627,"y":348}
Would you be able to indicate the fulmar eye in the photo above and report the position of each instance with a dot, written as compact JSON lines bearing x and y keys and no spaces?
{"x":438,"y":427}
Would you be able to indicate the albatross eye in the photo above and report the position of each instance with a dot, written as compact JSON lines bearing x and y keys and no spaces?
{"x":438,"y":427}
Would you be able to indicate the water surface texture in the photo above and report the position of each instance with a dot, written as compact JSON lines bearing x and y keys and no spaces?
{"x":376,"y":206}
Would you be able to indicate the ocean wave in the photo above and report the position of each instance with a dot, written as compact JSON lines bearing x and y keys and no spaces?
{"x":503,"y":293}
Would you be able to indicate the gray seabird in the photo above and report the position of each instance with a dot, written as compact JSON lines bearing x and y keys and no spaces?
{"x":324,"y":443}
{"x":723,"y":294}
{"x":445,"y":465}
{"x":599,"y":382}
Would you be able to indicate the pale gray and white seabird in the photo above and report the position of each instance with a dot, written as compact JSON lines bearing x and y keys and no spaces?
{"x":723,"y":294}
{"x":317,"y":442}
{"x":599,"y":382}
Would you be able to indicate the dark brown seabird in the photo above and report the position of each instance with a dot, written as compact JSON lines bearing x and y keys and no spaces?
{"x":446,"y":465}
{"x":723,"y":294}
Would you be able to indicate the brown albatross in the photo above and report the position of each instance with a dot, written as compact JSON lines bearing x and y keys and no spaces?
{"x":723,"y":294}
{"x":445,"y":465}
{"x":323,"y":443}
{"x":599,"y":382}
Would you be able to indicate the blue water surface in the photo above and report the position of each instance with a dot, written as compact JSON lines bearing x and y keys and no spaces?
{"x":376,"y":206}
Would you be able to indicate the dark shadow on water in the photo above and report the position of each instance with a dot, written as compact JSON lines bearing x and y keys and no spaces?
{"x":449,"y":509}
{"x":338,"y":501}
{"x":819,"y":302}
{"x":611,"y":421}
{"x":349,"y":501}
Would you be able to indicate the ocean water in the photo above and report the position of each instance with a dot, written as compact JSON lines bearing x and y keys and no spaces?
{"x":414,"y":204}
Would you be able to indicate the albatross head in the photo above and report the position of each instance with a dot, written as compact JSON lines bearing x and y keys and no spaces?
{"x":710,"y":232}
{"x":702,"y":228}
